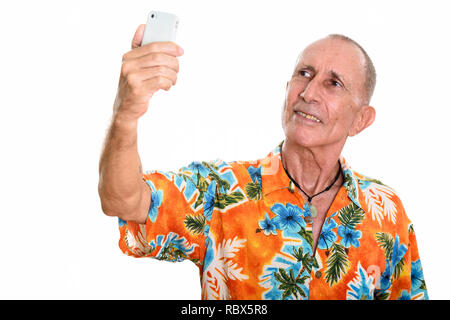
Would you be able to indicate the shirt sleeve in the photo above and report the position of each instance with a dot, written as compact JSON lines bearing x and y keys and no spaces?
{"x":403,"y":277}
{"x":177,"y":223}
{"x":418,"y":286}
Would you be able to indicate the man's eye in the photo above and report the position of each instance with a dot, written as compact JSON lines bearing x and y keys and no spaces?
{"x":335,"y":83}
{"x":304,"y":73}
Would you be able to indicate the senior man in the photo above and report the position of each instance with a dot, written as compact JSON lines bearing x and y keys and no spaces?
{"x":297,"y":224}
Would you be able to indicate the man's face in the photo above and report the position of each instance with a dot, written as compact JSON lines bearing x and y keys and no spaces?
{"x":328,"y":84}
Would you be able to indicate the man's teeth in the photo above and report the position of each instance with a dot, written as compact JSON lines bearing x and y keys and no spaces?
{"x":307,"y":116}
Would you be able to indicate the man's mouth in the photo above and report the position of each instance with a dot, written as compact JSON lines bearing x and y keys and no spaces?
{"x":307,"y":116}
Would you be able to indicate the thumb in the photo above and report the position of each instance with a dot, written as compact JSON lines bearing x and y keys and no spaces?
{"x":138,"y":35}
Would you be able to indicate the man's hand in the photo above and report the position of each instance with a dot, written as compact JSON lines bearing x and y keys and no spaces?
{"x":144,"y":71}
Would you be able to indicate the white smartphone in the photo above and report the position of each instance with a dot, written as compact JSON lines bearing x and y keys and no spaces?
{"x":160,"y":27}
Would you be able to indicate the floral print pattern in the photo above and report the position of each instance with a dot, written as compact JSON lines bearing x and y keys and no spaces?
{"x":249,"y":231}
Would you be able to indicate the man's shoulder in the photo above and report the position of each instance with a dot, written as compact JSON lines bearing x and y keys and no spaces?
{"x":220,"y":165}
{"x":369,"y":183}
{"x":382,"y":200}
{"x":216,"y":167}
{"x":232,"y":170}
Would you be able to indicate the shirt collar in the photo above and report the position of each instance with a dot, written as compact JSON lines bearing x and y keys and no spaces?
{"x":275,"y":178}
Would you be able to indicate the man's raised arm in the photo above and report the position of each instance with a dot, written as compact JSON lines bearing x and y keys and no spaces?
{"x":145,"y":70}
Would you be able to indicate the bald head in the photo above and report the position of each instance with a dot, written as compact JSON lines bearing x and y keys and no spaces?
{"x":369,"y":73}
{"x":369,"y":68}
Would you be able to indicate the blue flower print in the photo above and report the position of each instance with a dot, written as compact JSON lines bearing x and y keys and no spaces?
{"x":288,"y":217}
{"x":398,"y":252}
{"x":349,"y":236}
{"x":268,"y":226}
{"x":155,"y":204}
{"x":361,"y":289}
{"x":209,"y":199}
{"x":327,"y":236}
{"x":173,"y":247}
{"x":255,"y":174}
{"x":122,"y":222}
{"x":364,"y":184}
{"x":405,"y":295}
{"x":416,"y":275}
{"x":385,"y":280}
{"x":306,"y":211}
{"x":209,"y":254}
{"x":206,"y":233}
{"x":198,"y":167}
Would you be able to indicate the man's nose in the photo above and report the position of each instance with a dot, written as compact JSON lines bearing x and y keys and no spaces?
{"x":311,"y":92}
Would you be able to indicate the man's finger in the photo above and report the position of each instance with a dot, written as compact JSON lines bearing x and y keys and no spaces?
{"x":157,"y":59}
{"x":152,"y":72}
{"x":138,"y":35}
{"x":169,"y":48}
{"x":156,"y":83}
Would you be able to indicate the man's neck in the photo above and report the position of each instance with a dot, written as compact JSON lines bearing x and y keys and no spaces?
{"x":313,"y":169}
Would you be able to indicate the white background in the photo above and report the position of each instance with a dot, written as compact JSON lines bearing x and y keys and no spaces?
{"x":59,"y":66}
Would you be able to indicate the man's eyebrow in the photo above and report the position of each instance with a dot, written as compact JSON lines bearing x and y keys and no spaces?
{"x":332,"y":73}
{"x":306,"y":67}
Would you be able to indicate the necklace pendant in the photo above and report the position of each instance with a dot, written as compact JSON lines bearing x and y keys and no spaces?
{"x":313,"y":210}
{"x":291,"y":187}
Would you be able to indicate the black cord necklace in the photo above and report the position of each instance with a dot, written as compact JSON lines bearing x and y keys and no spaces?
{"x":312,"y":207}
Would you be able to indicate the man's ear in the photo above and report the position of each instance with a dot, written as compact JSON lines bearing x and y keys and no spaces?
{"x":365,"y":117}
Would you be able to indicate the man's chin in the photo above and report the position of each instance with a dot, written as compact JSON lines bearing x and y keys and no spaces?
{"x":303,"y":139}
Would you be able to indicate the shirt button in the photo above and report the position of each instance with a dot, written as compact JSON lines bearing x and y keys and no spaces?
{"x":308,"y":219}
{"x":318,"y":274}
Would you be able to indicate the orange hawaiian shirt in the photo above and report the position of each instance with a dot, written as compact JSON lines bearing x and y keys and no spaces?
{"x":249,"y":231}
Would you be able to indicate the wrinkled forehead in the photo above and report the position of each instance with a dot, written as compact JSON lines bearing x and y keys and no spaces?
{"x":334,"y":55}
